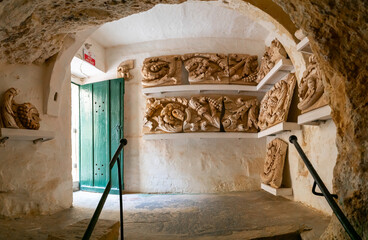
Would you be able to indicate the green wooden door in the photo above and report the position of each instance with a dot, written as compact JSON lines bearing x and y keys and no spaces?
{"x":101,"y":128}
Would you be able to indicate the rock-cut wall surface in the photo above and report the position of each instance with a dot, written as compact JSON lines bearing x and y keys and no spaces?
{"x":339,"y":37}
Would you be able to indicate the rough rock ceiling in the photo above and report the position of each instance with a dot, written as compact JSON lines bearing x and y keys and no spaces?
{"x":186,"y":20}
{"x":33,"y":30}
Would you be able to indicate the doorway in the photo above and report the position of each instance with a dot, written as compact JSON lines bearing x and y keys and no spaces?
{"x":101,"y":122}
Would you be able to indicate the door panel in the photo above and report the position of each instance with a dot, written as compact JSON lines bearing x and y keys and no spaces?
{"x":116,"y":121}
{"x":86,"y":135}
{"x":101,"y":130}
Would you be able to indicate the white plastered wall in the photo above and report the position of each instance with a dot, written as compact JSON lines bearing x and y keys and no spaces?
{"x":35,"y":178}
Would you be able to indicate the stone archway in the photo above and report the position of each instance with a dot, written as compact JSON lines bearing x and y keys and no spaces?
{"x":338,"y":36}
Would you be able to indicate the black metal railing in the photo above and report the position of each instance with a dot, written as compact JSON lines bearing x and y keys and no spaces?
{"x":102,"y":201}
{"x":329,"y":197}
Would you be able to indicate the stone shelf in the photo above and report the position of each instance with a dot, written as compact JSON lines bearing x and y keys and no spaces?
{"x":277,"y":191}
{"x":200,"y":135}
{"x":25,"y":135}
{"x":281,"y":127}
{"x":281,"y":69}
{"x":304,"y":47}
{"x":314,"y":117}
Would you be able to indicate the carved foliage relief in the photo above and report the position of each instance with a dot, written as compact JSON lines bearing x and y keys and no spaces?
{"x":161,"y":71}
{"x":272,"y":55}
{"x":124,"y":69}
{"x":241,"y":114}
{"x":206,"y":68}
{"x":203,"y":114}
{"x":274,"y":164}
{"x":18,"y":115}
{"x":311,"y":90}
{"x":275,"y":104}
{"x":164,"y":115}
{"x":243,"y":69}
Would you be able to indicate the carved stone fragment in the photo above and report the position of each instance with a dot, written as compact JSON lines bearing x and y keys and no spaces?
{"x":164,"y":115}
{"x":243,"y":69}
{"x":161,"y":71}
{"x":18,"y":115}
{"x":241,"y":114}
{"x":274,"y":164}
{"x":206,"y":68}
{"x":311,"y":89}
{"x":275,"y":104}
{"x":272,"y":55}
{"x":124,"y":70}
{"x":203,"y":114}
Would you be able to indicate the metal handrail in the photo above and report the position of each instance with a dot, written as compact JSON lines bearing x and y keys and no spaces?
{"x":329,"y":197}
{"x":102,"y":201}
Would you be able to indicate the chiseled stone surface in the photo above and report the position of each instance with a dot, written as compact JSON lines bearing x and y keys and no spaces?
{"x":338,"y":35}
{"x":104,"y":230}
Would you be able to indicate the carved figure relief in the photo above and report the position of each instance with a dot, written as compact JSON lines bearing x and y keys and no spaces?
{"x":241,"y":114}
{"x":275,"y":104}
{"x":124,"y":69}
{"x":311,"y":89}
{"x":243,"y":69}
{"x":272,"y":55}
{"x":18,"y":115}
{"x":164,"y":115}
{"x":274,"y":164}
{"x":161,"y":71}
{"x":203,"y":114}
{"x":206,"y":68}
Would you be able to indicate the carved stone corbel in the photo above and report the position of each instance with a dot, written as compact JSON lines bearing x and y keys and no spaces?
{"x":18,"y":115}
{"x":272,"y":55}
{"x":124,"y":68}
{"x":276,"y":103}
{"x":311,"y":89}
{"x":274,"y":164}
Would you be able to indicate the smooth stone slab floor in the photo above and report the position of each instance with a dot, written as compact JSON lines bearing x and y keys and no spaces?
{"x":238,"y":215}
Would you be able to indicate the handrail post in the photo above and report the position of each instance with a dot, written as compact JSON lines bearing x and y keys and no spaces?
{"x":335,"y":208}
{"x":102,"y":201}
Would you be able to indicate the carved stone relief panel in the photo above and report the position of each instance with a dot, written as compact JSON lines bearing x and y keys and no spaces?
{"x":18,"y":115}
{"x":164,"y":115}
{"x":206,"y":68}
{"x":203,"y":114}
{"x":161,"y":71}
{"x":311,"y":89}
{"x":243,"y":69}
{"x":241,"y":114}
{"x":275,"y":104}
{"x":272,"y":55}
{"x":274,"y":164}
{"x":124,"y":70}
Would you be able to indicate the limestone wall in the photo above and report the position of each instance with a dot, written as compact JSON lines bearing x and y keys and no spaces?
{"x":187,"y":165}
{"x":35,"y":178}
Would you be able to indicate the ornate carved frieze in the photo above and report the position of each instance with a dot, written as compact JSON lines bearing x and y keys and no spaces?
{"x":161,"y":71}
{"x":275,"y":104}
{"x":274,"y":164}
{"x":272,"y":55}
{"x":18,"y":115}
{"x":206,"y":68}
{"x":243,"y":69}
{"x":241,"y":114}
{"x":124,"y":70}
{"x":165,"y":115}
{"x":311,"y":89}
{"x":203,"y":114}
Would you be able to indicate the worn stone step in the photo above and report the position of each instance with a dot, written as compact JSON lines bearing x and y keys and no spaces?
{"x":104,"y":230}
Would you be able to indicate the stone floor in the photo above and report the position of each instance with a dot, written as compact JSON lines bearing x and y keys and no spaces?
{"x":239,"y":215}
